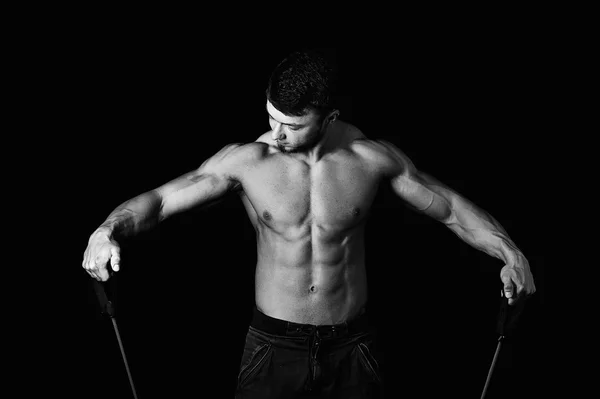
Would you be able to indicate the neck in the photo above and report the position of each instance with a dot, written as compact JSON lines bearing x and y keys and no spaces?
{"x":322,"y":147}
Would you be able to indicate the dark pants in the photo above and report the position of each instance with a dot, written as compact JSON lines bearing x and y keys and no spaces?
{"x":288,"y":360}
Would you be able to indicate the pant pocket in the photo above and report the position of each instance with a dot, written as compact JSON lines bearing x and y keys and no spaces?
{"x":252,"y":365}
{"x":368,"y":361}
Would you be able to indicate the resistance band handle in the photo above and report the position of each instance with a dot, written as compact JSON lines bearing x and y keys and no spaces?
{"x":106,"y":306}
{"x":506,"y":324}
{"x":508,"y":317}
{"x":502,"y":316}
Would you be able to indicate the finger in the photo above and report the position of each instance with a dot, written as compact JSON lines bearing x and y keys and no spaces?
{"x":103,"y":273}
{"x":115,"y":258}
{"x":89,"y":267}
{"x":85,"y":258}
{"x":93,"y":272}
{"x":508,"y":288}
{"x":520,"y":291}
{"x":97,"y":264}
{"x":90,"y":273}
{"x":504,"y":295}
{"x":102,"y":259}
{"x":87,"y":261}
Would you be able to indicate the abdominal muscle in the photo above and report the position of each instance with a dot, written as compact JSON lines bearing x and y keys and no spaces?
{"x":311,"y":280}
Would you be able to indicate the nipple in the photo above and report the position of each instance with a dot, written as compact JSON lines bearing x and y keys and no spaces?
{"x":267,"y":215}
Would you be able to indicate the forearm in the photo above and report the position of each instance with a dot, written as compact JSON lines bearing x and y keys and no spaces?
{"x":133,"y":216}
{"x":480,"y":230}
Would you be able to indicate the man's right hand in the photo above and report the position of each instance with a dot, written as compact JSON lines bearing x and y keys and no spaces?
{"x":101,"y":250}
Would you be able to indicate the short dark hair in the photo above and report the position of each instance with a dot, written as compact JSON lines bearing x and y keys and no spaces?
{"x":304,"y":80}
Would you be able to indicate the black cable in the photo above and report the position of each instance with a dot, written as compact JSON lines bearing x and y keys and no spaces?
{"x":107,"y":308}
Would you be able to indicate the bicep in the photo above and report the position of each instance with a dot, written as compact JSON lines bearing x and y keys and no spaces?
{"x":424,"y":193}
{"x":203,"y":186}
{"x":420,"y":190}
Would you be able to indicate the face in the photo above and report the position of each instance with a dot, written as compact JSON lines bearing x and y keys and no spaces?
{"x":295,"y":133}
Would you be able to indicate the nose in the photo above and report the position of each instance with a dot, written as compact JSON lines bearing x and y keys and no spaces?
{"x":277,"y":132}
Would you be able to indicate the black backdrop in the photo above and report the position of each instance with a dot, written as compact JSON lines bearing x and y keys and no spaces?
{"x":142,"y":107}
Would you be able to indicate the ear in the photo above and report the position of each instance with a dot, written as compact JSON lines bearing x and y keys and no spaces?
{"x":332,"y":116}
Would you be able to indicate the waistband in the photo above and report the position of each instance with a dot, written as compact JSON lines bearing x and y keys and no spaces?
{"x":270,"y":325}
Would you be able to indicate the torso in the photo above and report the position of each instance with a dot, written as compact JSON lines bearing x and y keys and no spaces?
{"x":309,"y":219}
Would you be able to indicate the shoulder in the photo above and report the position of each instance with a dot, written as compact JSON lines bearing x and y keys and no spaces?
{"x":376,"y":148}
{"x":265,"y":138}
{"x":233,"y":157}
{"x":266,"y":141}
{"x":241,"y":152}
{"x":383,"y":156}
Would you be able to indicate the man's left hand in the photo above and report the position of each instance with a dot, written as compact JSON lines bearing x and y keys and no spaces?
{"x":518,"y":282}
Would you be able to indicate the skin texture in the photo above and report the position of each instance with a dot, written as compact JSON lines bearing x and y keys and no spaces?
{"x":307,"y":186}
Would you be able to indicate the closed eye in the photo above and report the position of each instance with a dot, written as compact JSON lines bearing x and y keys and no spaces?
{"x":290,"y":126}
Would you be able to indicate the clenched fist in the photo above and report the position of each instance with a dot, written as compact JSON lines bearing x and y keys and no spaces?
{"x":518,"y":281}
{"x":101,"y":250}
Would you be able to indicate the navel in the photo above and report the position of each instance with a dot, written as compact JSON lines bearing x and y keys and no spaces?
{"x":313,"y":288}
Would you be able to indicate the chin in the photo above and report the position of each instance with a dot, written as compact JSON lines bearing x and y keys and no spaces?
{"x":291,"y":150}
{"x":286,"y":148}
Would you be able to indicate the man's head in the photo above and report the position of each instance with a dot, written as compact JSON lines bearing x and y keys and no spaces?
{"x":300,"y":99}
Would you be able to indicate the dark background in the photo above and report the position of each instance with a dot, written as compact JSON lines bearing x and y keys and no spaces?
{"x":141,"y":105}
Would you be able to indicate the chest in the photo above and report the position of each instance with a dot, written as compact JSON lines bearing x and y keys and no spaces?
{"x":335,"y":192}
